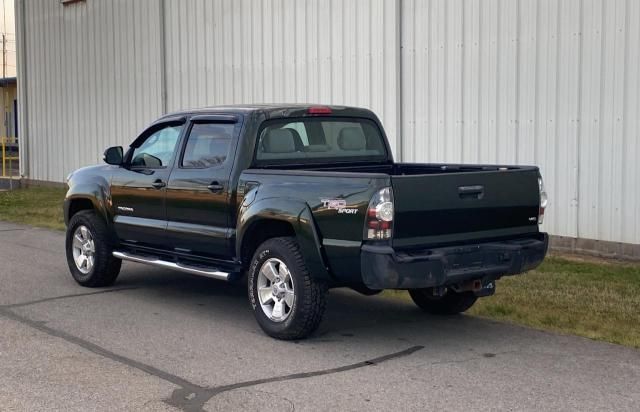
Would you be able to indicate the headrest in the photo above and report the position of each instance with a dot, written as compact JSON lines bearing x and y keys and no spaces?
{"x":279,"y":141}
{"x":217,"y":132}
{"x":352,"y":138}
{"x":297,"y":139}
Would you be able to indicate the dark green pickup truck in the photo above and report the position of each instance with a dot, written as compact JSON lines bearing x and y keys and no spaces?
{"x":300,"y":199}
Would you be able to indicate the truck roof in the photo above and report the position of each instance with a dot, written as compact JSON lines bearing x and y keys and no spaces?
{"x":274,"y":110}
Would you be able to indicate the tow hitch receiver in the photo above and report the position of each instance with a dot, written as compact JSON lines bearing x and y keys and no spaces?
{"x":480,"y":287}
{"x":488,"y":288}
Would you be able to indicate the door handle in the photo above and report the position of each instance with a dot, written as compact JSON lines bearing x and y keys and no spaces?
{"x":158,"y":184}
{"x":471,"y":192}
{"x":215,"y":187}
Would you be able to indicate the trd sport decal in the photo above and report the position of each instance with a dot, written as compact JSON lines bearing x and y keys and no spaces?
{"x":340,"y":205}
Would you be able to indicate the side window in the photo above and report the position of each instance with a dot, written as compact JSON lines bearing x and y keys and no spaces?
{"x":157,"y":149}
{"x":208,"y":145}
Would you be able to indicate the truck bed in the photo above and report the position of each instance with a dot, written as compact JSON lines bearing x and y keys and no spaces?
{"x":443,"y":204}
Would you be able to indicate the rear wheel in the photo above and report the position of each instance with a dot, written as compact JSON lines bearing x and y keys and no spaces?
{"x":287,"y":301}
{"x":89,"y":248}
{"x":451,"y":303}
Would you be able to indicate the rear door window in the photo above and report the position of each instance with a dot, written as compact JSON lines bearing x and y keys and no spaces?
{"x":207,"y":145}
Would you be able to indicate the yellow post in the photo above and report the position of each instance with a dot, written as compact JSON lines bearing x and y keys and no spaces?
{"x":3,"y":158}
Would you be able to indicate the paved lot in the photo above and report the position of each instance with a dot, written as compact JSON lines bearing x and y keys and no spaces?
{"x":160,"y":340}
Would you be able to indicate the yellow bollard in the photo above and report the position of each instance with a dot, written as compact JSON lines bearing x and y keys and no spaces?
{"x":4,"y":158}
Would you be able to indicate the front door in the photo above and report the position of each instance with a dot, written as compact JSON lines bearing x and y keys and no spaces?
{"x":198,"y":192}
{"x":138,"y":189}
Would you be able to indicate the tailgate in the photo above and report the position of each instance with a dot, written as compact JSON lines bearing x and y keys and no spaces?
{"x":458,"y":207}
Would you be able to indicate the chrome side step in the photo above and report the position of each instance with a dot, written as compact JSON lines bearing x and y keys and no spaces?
{"x":210,"y":273}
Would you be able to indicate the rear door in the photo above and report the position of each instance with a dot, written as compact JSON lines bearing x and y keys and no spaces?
{"x":464,"y":206}
{"x":198,"y":191}
{"x":138,"y":189}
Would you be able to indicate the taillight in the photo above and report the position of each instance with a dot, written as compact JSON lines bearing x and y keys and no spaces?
{"x":379,"y":221}
{"x":543,"y":201}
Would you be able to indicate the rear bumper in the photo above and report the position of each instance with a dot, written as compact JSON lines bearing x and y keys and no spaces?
{"x":385,"y":268}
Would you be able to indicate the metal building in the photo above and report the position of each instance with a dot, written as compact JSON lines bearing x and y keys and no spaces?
{"x":549,"y":82}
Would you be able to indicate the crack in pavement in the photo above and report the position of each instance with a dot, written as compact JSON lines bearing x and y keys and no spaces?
{"x":186,"y":401}
{"x":98,"y":350}
{"x":76,"y":295}
{"x":189,"y":396}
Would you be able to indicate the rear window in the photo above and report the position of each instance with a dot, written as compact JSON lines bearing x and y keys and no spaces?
{"x":314,"y":140}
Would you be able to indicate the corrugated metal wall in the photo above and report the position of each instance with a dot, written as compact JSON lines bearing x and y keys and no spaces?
{"x":243,"y":51}
{"x":90,"y":78}
{"x":548,"y":82}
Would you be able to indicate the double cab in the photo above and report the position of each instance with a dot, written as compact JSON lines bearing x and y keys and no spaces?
{"x":297,"y":199}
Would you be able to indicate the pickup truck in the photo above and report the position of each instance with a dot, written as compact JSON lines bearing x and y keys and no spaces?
{"x":297,"y":199}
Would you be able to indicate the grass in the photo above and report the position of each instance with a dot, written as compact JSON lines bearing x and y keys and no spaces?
{"x":593,"y":298}
{"x":597,"y":299}
{"x":37,"y":206}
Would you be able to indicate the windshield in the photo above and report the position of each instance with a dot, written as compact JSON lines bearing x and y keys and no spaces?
{"x":314,"y":140}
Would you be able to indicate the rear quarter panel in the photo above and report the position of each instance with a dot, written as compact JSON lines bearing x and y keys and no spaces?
{"x":339,"y":232}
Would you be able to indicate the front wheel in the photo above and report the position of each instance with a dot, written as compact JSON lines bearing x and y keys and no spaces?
{"x":451,"y":303}
{"x":89,"y":248}
{"x":287,"y":301}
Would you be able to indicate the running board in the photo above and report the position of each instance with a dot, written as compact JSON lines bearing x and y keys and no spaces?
{"x":210,"y":273}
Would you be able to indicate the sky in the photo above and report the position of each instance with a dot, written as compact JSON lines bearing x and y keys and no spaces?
{"x":7,"y":26}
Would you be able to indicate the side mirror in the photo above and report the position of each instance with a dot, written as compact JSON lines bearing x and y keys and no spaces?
{"x":113,"y":155}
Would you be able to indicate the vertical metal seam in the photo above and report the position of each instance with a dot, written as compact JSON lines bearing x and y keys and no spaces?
{"x":65,"y":156}
{"x":430,"y":71}
{"x":637,"y":164}
{"x":23,"y":83}
{"x":498,"y":77}
{"x":556,"y":114}
{"x":625,"y":105}
{"x":601,"y":114}
{"x":414,"y":141}
{"x":536,"y":113}
{"x":517,"y":69}
{"x":205,"y":61}
{"x":462,"y":82}
{"x":579,"y":115}
{"x":93,"y":73}
{"x":135,"y":56}
{"x":445,"y":81}
{"x":479,"y":108}
{"x":331,"y":46}
{"x":399,"y":82}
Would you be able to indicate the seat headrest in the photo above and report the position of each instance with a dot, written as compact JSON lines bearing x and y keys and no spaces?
{"x":352,"y":138}
{"x":279,"y":141}
{"x":297,"y":139}
{"x":217,"y":132}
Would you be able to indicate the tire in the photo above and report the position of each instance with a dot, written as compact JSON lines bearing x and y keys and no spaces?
{"x":302,"y":298}
{"x":97,"y":244}
{"x":451,"y":303}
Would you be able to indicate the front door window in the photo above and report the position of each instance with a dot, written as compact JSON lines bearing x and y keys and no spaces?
{"x":157,"y":149}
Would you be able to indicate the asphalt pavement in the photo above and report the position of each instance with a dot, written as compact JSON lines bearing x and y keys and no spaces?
{"x":162,"y":340}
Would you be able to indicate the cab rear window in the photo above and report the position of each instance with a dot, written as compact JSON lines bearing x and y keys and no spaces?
{"x":314,"y":140}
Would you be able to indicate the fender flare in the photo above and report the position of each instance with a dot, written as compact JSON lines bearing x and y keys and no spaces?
{"x":92,"y":191}
{"x":299,"y":216}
